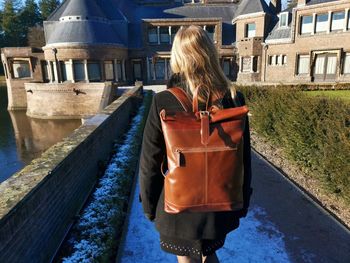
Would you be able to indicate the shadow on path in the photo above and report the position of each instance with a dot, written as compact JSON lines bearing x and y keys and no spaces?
{"x":283,"y":225}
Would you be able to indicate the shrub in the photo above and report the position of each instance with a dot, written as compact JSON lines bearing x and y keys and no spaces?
{"x":314,"y":132}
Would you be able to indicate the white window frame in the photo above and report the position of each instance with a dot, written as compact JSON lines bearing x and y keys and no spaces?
{"x":286,"y":14}
{"x":321,"y":27}
{"x":248,"y":32}
{"x":346,"y":67}
{"x":306,"y":29}
{"x":304,"y":56}
{"x":339,"y":23}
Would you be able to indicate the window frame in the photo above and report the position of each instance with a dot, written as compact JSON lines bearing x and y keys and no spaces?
{"x":148,"y":35}
{"x":332,"y":21}
{"x":247,"y":30}
{"x":27,"y":60}
{"x":77,"y":61}
{"x":90,"y":62}
{"x":286,"y":14}
{"x":165,"y":28}
{"x":323,"y":22}
{"x":105,"y":71}
{"x":346,"y":58}
{"x":298,"y":65}
{"x":302,"y":17}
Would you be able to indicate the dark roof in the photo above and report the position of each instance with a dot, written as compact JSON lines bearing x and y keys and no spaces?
{"x":315,"y":2}
{"x":118,"y":22}
{"x":85,"y":8}
{"x":252,"y":6}
{"x":84,"y":32}
{"x":277,"y":32}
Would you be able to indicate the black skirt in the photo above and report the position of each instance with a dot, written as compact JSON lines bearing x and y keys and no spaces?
{"x":192,"y":248}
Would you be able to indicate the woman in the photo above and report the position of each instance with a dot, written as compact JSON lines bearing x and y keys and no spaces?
{"x":193,"y":237}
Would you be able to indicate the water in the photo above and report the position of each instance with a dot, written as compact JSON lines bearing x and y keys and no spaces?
{"x":23,"y":139}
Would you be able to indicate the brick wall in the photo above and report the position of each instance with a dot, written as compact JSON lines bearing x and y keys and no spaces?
{"x":39,"y":203}
{"x":50,"y":100}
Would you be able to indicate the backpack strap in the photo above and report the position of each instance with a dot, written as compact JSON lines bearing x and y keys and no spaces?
{"x":182,"y":97}
{"x":234,"y":96}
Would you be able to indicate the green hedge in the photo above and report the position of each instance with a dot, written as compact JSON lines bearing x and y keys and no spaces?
{"x":314,"y":132}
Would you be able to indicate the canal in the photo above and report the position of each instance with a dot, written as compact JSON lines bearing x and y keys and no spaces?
{"x":23,"y":139}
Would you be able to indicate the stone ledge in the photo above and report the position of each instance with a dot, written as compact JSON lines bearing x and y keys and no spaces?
{"x":38,"y":204}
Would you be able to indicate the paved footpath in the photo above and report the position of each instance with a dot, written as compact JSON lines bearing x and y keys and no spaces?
{"x":283,"y":225}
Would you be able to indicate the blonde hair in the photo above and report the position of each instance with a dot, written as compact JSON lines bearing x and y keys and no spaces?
{"x":194,"y":56}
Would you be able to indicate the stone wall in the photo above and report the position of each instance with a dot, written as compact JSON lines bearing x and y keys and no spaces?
{"x":67,"y":100}
{"x":39,"y":203}
{"x":17,"y":98}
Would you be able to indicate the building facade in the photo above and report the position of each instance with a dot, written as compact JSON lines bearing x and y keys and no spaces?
{"x":121,"y":41}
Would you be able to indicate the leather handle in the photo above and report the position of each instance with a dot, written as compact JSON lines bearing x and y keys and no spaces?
{"x":195,"y":101}
{"x":205,"y":132}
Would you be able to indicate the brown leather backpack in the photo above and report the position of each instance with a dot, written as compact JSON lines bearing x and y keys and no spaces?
{"x":204,"y":156}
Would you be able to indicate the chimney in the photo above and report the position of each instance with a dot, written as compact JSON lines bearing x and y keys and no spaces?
{"x":302,"y":2}
{"x":275,"y":6}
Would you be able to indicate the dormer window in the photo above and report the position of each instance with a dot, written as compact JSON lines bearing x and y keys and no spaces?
{"x":283,"y":19}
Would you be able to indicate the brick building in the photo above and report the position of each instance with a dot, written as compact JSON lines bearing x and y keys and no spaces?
{"x":120,"y":41}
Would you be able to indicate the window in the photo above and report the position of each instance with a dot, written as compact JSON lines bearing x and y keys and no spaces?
{"x":306,"y":25}
{"x":270,"y":60}
{"x":226,"y":67}
{"x":66,"y":71}
{"x":79,"y":71}
{"x":279,"y":60}
{"x":338,"y":21}
{"x":109,"y":73}
{"x":119,"y":70}
{"x":160,"y":68}
{"x":44,"y":70}
{"x":255,"y":64}
{"x":348,"y":27}
{"x":5,"y":69}
{"x":303,"y":64}
{"x":21,"y":69}
{"x":347,"y":64}
{"x":275,"y":60}
{"x":250,"y":30}
{"x":284,"y":59}
{"x":94,"y":71}
{"x":137,"y":70}
{"x":164,"y":35}
{"x":283,"y":19}
{"x":153,"y":35}
{"x":319,"y":64}
{"x":246,"y":64}
{"x":169,"y":68}
{"x":174,"y":30}
{"x":321,"y":23}
{"x":211,"y":32}
{"x":331,"y":64}
{"x":53,"y":74}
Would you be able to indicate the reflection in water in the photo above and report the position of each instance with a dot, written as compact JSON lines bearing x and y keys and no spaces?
{"x":23,"y":139}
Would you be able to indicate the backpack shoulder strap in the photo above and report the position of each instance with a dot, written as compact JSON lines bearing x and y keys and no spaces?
{"x":182,"y":97}
{"x":234,"y":96}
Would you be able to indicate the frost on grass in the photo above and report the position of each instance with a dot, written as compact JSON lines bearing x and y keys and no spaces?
{"x":96,"y":227}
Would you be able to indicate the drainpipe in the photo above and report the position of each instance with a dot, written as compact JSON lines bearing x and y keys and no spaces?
{"x":265,"y":66}
{"x":58,"y":66}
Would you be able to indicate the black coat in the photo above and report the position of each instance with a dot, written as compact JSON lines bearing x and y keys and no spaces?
{"x":186,"y":224}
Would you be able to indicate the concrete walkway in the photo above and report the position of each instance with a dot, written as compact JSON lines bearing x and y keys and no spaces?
{"x":283,"y":225}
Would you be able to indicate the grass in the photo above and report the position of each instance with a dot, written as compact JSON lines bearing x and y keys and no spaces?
{"x":332,"y":94}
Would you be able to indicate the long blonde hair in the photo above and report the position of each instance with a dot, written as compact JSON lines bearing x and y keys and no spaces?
{"x":194,"y":56}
